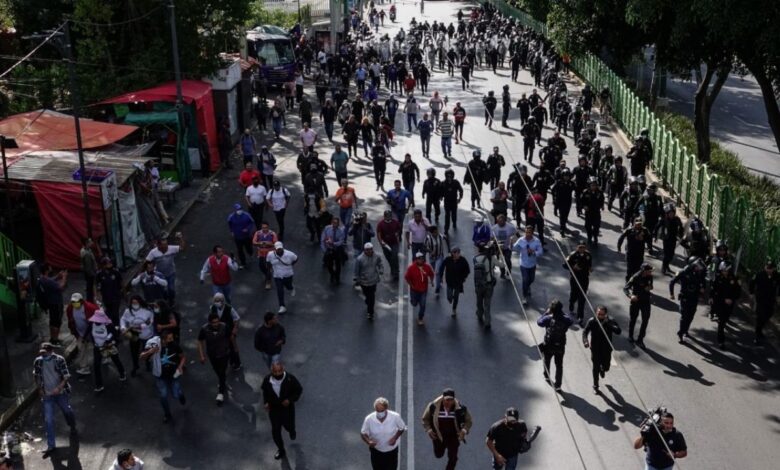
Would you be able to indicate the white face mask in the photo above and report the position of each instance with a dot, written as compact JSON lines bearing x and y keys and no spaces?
{"x":239,"y":212}
{"x":381,"y":414}
{"x":135,"y":306}
{"x":219,"y":304}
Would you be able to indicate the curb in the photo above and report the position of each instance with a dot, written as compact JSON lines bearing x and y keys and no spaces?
{"x":10,"y":415}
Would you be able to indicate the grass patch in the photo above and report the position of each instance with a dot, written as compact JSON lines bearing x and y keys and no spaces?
{"x":762,"y":192}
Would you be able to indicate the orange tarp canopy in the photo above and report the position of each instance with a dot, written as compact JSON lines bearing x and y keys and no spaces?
{"x":49,"y":130}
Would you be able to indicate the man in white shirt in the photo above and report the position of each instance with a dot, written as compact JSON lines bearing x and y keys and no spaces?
{"x":416,"y":231}
{"x":281,"y":262}
{"x":530,"y":248}
{"x":255,"y":196}
{"x":163,"y":256}
{"x":381,"y":431}
{"x":126,"y":460}
{"x":308,"y":137}
{"x":278,"y":197}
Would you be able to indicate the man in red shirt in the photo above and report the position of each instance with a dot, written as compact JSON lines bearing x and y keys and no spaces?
{"x":247,"y":175}
{"x":419,"y":275}
{"x":388,"y":232}
{"x":409,"y":84}
{"x":534,"y":213}
{"x":459,"y":114}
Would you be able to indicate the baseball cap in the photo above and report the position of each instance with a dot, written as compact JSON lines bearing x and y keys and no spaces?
{"x":448,"y":393}
{"x":76,"y":297}
{"x":419,"y":254}
{"x":48,"y":346}
{"x":236,"y":206}
{"x":368,"y":246}
{"x":512,"y":414}
{"x":278,"y":245}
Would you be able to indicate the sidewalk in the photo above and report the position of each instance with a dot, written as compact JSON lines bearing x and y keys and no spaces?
{"x":21,"y":355}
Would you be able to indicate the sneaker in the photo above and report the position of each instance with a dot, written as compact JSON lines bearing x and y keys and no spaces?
{"x":420,"y":323}
{"x":292,"y":292}
{"x":282,"y":309}
{"x":602,"y":373}
{"x":220,"y":398}
{"x":99,"y":389}
{"x":123,"y":378}
{"x":84,"y":371}
{"x":268,"y":285}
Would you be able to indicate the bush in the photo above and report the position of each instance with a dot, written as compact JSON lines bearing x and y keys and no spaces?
{"x":260,"y":14}
{"x":761,"y":191}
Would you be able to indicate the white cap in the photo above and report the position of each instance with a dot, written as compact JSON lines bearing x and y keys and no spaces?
{"x":419,"y":255}
{"x":76,"y":297}
{"x":278,"y":245}
{"x":368,"y":246}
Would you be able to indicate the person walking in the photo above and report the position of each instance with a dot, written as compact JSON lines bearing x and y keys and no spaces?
{"x":638,"y":239}
{"x":219,"y":266}
{"x":368,"y":273}
{"x":263,"y":241}
{"x":388,"y":234}
{"x":137,"y":326}
{"x":279,"y":198}
{"x":281,"y":262}
{"x":269,"y":339}
{"x":229,"y":316}
{"x":556,"y":324}
{"x":425,"y":126}
{"x":637,"y":289}
{"x":332,"y":243}
{"x":600,"y":330}
{"x":104,"y":336}
{"x":126,"y":460}
{"x":163,"y":255}
{"x":764,"y":286}
{"x":78,"y":313}
{"x":347,"y":201}
{"x":447,"y":421}
{"x":255,"y":196}
{"x":51,"y":375}
{"x":484,"y":282}
{"x":416,"y":232}
{"x":580,"y":265}
{"x":454,"y":270}
{"x":726,"y":290}
{"x":398,"y":199}
{"x":452,"y":194}
{"x":505,"y":233}
{"x":214,"y":341}
{"x":530,"y":248}
{"x":435,"y":247}
{"x":446,"y":128}
{"x":381,"y":431}
{"x":419,"y":275}
{"x":49,"y":296}
{"x":109,"y":287}
{"x":280,"y":392}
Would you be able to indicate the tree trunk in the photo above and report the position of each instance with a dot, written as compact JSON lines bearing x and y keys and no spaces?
{"x":655,"y":82}
{"x":701,"y":116}
{"x":770,"y":102}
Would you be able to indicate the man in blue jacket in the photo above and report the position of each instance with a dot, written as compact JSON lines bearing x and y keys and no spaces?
{"x":242,"y":226}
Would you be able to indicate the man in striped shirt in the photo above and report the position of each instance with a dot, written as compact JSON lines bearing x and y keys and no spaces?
{"x":446,"y":128}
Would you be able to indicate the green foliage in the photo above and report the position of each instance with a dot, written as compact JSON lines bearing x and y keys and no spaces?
{"x":539,"y":9}
{"x":134,"y":52}
{"x":259,"y":14}
{"x":6,"y":14}
{"x":760,"y":190}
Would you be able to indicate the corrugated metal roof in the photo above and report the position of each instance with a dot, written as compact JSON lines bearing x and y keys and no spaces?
{"x":59,"y":166}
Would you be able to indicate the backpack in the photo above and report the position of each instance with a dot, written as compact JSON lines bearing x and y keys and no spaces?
{"x":483,"y":272}
{"x":555,"y":336}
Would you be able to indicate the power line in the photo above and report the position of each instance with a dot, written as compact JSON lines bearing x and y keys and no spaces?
{"x":35,"y":49}
{"x":119,"y":23}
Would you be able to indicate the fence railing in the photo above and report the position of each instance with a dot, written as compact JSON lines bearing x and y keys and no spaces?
{"x":10,"y":255}
{"x":728,"y":215}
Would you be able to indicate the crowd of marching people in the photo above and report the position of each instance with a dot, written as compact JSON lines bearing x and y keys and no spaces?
{"x":359,"y":92}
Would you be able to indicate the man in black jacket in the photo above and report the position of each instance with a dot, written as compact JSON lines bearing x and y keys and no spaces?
{"x":280,"y":392}
{"x":765,"y":286}
{"x":269,"y":338}
{"x":600,"y":330}
{"x":432,"y":194}
{"x":455,"y":269}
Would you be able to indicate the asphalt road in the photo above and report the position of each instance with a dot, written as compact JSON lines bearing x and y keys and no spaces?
{"x":724,"y":402}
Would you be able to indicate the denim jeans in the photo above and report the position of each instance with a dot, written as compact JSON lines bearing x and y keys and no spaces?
{"x":528,"y":279}
{"x":277,"y":125}
{"x":282,"y":283}
{"x":329,"y":130}
{"x":61,"y":401}
{"x":511,"y":464}
{"x":418,"y":298}
{"x":345,"y":214}
{"x":225,"y":290}
{"x":391,"y":253}
{"x":411,"y":119}
{"x":436,"y":264}
{"x":453,"y":294}
{"x":446,"y":145}
{"x":270,"y":359}
{"x":426,"y":144}
{"x":164,"y":387}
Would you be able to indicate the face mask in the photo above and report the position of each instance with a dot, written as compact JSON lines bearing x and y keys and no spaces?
{"x":219,"y":304}
{"x":157,"y":310}
{"x":381,"y":414}
{"x":239,"y":212}
{"x":135,"y":306}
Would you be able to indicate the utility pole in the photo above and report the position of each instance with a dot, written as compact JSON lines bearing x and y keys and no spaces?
{"x":75,"y":100}
{"x":177,"y":76}
{"x":334,"y":22}
{"x":6,"y":376}
{"x":5,"y":143}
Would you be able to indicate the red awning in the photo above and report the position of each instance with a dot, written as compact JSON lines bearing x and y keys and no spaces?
{"x":49,"y":130}
{"x":191,"y":91}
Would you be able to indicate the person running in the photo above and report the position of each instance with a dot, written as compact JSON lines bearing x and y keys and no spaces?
{"x":600,"y":330}
{"x":506,"y":439}
{"x":214,"y":341}
{"x":381,"y":431}
{"x":419,"y":275}
{"x":388,"y":233}
{"x":530,"y":248}
{"x":281,"y":262}
{"x":556,"y":324}
{"x":168,"y":361}
{"x":219,"y":266}
{"x":447,"y":421}
{"x":280,"y":392}
{"x":637,"y":289}
{"x":368,"y":273}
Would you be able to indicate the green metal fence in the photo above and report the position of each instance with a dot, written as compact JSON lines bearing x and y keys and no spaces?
{"x":10,"y":254}
{"x":728,"y":215}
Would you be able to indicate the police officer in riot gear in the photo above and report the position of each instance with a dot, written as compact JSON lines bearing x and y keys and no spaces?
{"x":693,"y":281}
